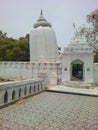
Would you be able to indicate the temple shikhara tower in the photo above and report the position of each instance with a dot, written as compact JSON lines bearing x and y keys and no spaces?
{"x":43,"y":44}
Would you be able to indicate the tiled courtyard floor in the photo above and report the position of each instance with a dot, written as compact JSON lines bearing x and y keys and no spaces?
{"x":51,"y":111}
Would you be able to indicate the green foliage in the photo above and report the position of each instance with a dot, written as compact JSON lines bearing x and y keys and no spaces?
{"x":12,"y":49}
{"x":17,"y":50}
{"x":2,"y":35}
{"x":96,"y":58}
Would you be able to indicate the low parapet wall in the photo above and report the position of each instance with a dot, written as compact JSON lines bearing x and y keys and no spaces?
{"x":13,"y":91}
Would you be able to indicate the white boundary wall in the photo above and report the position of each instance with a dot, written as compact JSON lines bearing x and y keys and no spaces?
{"x":29,"y":70}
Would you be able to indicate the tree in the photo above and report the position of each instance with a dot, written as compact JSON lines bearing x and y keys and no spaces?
{"x":96,"y":57}
{"x":12,"y":49}
{"x":93,"y":31}
{"x":93,"y":18}
{"x":2,"y":35}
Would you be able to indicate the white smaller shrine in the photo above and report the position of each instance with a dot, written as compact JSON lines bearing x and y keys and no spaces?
{"x":77,"y":60}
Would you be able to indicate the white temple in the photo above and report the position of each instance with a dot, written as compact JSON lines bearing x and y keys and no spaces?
{"x":75,"y":64}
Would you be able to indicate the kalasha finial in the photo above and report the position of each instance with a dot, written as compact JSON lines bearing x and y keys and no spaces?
{"x":41,"y":13}
{"x":42,"y":21}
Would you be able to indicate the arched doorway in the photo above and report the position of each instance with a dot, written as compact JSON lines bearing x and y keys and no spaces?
{"x":30,"y":89}
{"x":13,"y":95}
{"x":6,"y":97}
{"x":41,"y":86}
{"x":77,"y":67}
{"x":34,"y":89}
{"x":38,"y":87}
{"x":20,"y":92}
{"x":25,"y":91}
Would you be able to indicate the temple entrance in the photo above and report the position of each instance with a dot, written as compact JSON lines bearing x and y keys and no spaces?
{"x":77,"y":70}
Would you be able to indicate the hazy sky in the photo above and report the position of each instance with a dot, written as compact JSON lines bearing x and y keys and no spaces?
{"x":18,"y":16}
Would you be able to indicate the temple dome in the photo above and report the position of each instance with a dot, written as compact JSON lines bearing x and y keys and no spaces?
{"x":42,"y":22}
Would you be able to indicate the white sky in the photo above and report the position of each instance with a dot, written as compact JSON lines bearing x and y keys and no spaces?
{"x":18,"y":16}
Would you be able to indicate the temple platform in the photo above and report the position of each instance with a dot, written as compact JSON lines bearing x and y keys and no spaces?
{"x":70,"y":90}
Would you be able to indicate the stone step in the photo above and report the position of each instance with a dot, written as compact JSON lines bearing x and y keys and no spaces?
{"x":77,"y":84}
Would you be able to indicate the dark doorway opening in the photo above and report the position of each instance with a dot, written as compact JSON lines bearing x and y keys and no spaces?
{"x":34,"y":88}
{"x":6,"y":97}
{"x":13,"y":95}
{"x":25,"y":91}
{"x":38,"y":87}
{"x":30,"y":89}
{"x":20,"y":92}
{"x":77,"y":72}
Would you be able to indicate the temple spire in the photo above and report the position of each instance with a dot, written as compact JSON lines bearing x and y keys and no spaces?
{"x":41,"y":12}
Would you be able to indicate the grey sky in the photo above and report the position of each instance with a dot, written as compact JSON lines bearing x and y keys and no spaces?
{"x":18,"y":16}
